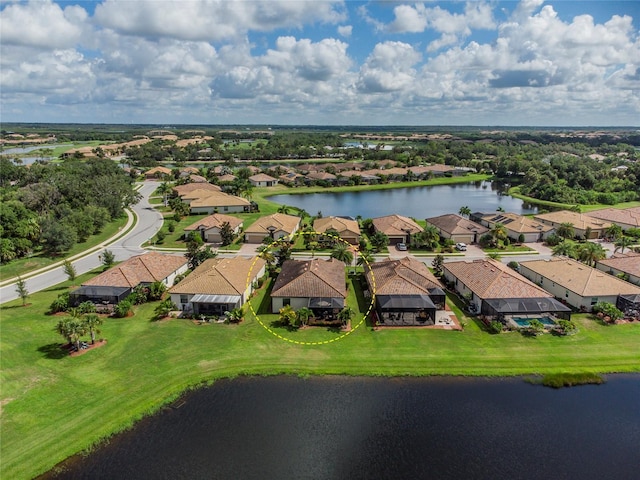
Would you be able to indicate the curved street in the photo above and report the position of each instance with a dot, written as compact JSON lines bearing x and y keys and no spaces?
{"x":147,"y":222}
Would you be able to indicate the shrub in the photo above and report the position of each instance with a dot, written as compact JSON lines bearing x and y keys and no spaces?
{"x":495,"y":326}
{"x":60,"y":304}
{"x":553,"y":240}
{"x":122,"y":309}
{"x":566,"y":327}
{"x":608,"y":310}
{"x":513,"y":265}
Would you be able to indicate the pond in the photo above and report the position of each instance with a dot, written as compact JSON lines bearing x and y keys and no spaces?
{"x":384,"y":428}
{"x":417,"y":202}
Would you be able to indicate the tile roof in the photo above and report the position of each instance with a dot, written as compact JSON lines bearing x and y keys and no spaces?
{"x":147,"y":268}
{"x":628,"y":216}
{"x":217,"y":199}
{"x":221,"y":276}
{"x":406,"y":276}
{"x":154,"y":170}
{"x":341,"y":225}
{"x":456,"y":225}
{"x":215,"y":220}
{"x":279,"y":221}
{"x":625,"y":262}
{"x":579,"y":220}
{"x":262,"y":177}
{"x":315,"y":278}
{"x":396,"y":225}
{"x":190,"y":187}
{"x":489,"y":278}
{"x":516,"y":223}
{"x":321,"y":176}
{"x":579,"y":278}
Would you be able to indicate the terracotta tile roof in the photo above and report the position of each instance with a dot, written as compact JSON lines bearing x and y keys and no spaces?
{"x":456,"y":225}
{"x":227,"y":178}
{"x":154,"y":170}
{"x":321,"y":176}
{"x":215,"y":220}
{"x":280,"y":221}
{"x":627,"y":262}
{"x":187,"y":188}
{"x":579,"y":278}
{"x":393,"y":225}
{"x":221,"y":276}
{"x":627,"y":216}
{"x":344,"y":226}
{"x":315,"y":278}
{"x":579,"y":220}
{"x":489,"y":278}
{"x":197,"y":179}
{"x":262,"y":177}
{"x":406,"y":276}
{"x":148,"y":268}
{"x":516,"y":223}
{"x":217,"y":199}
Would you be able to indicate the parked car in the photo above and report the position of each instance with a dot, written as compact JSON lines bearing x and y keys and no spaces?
{"x":401,"y":246}
{"x":461,"y":247}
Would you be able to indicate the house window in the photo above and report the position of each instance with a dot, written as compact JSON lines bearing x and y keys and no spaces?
{"x":225,"y":209}
{"x":566,"y":293}
{"x":286,"y":301}
{"x":184,"y":298}
{"x":594,"y":300}
{"x":541,"y":280}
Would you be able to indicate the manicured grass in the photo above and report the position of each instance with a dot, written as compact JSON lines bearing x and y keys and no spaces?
{"x":509,"y":249}
{"x":25,"y":265}
{"x":54,"y":406}
{"x":515,"y":193}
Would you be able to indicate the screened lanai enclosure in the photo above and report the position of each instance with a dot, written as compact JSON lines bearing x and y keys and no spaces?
{"x":629,"y":305}
{"x":502,"y":307}
{"x":408,"y":310}
{"x":98,"y":294}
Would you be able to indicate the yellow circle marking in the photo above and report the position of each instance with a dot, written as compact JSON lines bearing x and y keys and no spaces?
{"x":320,"y":342}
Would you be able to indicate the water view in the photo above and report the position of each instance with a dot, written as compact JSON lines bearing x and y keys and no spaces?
{"x":380,"y":428}
{"x":416,"y":202}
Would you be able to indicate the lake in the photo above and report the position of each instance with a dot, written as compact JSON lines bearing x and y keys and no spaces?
{"x":416,"y":202}
{"x":338,"y":428}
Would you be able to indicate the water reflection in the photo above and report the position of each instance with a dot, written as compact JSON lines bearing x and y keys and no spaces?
{"x":371,"y":428}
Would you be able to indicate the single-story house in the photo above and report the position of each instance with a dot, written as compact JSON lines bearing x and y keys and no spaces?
{"x":275,"y":226}
{"x":347,"y":228}
{"x":622,"y":264}
{"x":187,"y":188}
{"x":321,"y":177}
{"x":516,"y":225}
{"x":208,"y":201}
{"x":496,"y":290}
{"x":263,"y":180}
{"x":625,"y":218}
{"x":577,"y":284}
{"x":406,"y":292}
{"x":209,"y":227}
{"x":317,"y":284}
{"x":115,"y":284}
{"x":457,"y":228}
{"x":218,"y":285}
{"x":582,"y":223}
{"x":157,"y":172}
{"x":397,"y":227}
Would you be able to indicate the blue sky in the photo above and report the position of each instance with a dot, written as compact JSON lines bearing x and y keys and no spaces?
{"x":533,"y":62}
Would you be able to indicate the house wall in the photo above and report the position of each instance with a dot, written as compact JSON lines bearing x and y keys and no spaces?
{"x":220,"y":209}
{"x":462,"y":289}
{"x":168,"y":281}
{"x":296,"y":303}
{"x":563,"y":293}
{"x":615,"y":272}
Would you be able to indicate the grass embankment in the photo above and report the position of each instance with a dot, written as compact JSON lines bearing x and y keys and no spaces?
{"x":25,"y":265}
{"x":54,"y":405}
{"x":515,"y":193}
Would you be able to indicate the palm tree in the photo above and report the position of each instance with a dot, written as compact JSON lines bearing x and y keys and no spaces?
{"x":622,"y":243}
{"x":437,"y":264}
{"x":590,"y":253}
{"x":345,"y":315}
{"x":283,"y":209}
{"x":365,"y":257}
{"x":431,"y":237}
{"x":464,"y":211}
{"x":499,"y":232}
{"x":164,"y":189}
{"x":566,"y":248}
{"x":304,"y":314}
{"x":343,"y":253}
{"x":566,"y":230}
{"x":235,"y":315}
{"x":267,"y":255}
{"x":613,"y":231}
{"x":91,"y":323}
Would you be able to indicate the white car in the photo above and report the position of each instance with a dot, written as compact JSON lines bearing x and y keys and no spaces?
{"x":401,"y":246}
{"x":461,"y":247}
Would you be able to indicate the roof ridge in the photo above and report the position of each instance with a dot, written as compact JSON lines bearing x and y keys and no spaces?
{"x":310,"y":270}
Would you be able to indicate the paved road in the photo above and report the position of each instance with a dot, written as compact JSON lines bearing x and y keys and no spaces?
{"x":148,"y":223}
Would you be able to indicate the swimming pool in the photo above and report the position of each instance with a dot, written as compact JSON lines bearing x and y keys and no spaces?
{"x":524,"y":322}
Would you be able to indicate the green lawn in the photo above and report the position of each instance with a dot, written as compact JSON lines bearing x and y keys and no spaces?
{"x":515,"y":192}
{"x":25,"y":265}
{"x":54,"y":406}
